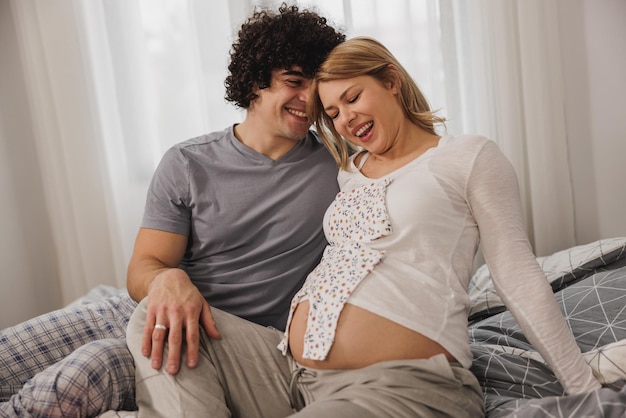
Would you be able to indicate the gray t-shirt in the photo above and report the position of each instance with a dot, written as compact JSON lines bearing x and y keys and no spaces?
{"x":254,"y":224}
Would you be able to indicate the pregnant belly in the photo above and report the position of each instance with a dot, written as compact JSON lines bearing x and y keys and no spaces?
{"x":362,"y":338}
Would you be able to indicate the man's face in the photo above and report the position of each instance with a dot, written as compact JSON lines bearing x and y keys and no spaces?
{"x":282,"y":106}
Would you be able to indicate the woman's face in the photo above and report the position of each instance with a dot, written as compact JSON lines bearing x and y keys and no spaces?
{"x":364,"y":111}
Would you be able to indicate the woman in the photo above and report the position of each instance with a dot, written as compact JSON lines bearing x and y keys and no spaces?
{"x":409,"y":217}
{"x":379,"y":328}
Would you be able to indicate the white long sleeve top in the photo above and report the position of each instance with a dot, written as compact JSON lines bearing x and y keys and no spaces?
{"x":417,"y":230}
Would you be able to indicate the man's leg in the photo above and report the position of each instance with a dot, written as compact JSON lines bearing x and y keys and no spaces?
{"x":242,"y":374}
{"x":95,"y":378}
{"x":32,"y":346}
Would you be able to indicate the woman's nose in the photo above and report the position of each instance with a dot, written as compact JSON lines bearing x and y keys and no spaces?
{"x":347,"y":117}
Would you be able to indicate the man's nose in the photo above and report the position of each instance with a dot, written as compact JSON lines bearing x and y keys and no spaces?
{"x":303,"y":95}
{"x":305,"y":90}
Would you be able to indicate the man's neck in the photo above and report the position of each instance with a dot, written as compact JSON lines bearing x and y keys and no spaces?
{"x":261,"y":141}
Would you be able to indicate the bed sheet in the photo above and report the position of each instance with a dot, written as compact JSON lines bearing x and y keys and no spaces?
{"x":517,"y":383}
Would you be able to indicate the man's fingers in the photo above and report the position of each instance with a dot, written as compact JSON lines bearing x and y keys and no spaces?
{"x":192,"y":334}
{"x":175,"y":325}
{"x":146,"y":341}
{"x":158,"y":336}
{"x":146,"y":338}
{"x":208,"y":322}
{"x":174,"y":345}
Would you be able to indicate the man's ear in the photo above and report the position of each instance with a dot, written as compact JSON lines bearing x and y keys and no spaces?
{"x":254,"y":96}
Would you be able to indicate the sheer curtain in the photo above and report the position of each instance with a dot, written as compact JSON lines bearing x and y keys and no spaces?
{"x":113,"y":83}
{"x":509,"y":86}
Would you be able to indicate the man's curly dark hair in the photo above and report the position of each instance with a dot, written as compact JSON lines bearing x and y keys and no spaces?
{"x":269,"y":41}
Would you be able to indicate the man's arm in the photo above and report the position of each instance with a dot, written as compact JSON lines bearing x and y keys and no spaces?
{"x":173,"y":300}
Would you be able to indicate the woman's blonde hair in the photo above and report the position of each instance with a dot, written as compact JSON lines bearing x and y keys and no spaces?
{"x":358,"y":57}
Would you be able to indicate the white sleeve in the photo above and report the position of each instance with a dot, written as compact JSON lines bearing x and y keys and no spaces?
{"x":494,"y":199}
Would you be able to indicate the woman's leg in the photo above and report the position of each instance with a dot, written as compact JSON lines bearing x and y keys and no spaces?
{"x":242,"y":374}
{"x":392,"y":389}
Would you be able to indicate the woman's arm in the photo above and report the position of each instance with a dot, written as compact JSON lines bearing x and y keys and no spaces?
{"x":493,"y":194}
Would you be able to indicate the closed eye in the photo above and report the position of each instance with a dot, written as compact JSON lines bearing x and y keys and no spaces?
{"x":354,"y":98}
{"x":351,"y":100}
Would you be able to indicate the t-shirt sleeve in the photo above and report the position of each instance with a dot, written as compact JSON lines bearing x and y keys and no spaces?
{"x":494,"y":198}
{"x":167,"y":202}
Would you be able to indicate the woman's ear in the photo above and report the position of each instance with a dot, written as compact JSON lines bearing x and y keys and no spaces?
{"x":392,"y":79}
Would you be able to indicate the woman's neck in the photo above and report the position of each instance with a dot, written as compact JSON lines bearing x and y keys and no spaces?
{"x":410,"y":145}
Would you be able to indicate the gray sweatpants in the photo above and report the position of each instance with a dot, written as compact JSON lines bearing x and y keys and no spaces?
{"x":244,"y":375}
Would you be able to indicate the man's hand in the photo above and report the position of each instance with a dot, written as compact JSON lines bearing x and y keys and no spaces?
{"x":175,"y":303}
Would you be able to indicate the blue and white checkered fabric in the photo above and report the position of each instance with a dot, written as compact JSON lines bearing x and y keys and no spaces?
{"x":70,"y":362}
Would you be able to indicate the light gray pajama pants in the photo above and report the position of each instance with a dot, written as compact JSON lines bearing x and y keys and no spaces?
{"x":72,"y":362}
{"x":244,"y":375}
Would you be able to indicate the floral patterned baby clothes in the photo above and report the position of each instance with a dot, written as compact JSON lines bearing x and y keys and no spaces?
{"x":355,"y":218}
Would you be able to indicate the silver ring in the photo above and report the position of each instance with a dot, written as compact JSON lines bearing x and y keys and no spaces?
{"x":160,"y":326}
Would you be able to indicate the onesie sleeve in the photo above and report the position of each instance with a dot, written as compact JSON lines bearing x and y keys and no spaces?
{"x":167,"y":202}
{"x":494,"y":199}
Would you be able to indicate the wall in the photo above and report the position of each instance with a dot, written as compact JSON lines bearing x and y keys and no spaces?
{"x":26,"y":246}
{"x":593,"y":35}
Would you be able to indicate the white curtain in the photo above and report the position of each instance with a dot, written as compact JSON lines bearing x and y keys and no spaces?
{"x":69,"y":145}
{"x":113,"y":83}
{"x":509,"y":86}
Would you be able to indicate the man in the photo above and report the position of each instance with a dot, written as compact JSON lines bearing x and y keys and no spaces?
{"x":233,"y":220}
{"x":250,"y":245}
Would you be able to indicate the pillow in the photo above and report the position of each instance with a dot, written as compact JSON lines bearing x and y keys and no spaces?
{"x":562,"y":269}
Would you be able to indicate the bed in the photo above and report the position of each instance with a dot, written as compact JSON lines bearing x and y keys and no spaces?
{"x":589,"y":282}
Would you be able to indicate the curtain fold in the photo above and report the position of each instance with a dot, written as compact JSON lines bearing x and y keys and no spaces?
{"x":549,"y":173}
{"x":69,"y":151}
{"x":510,"y":89}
